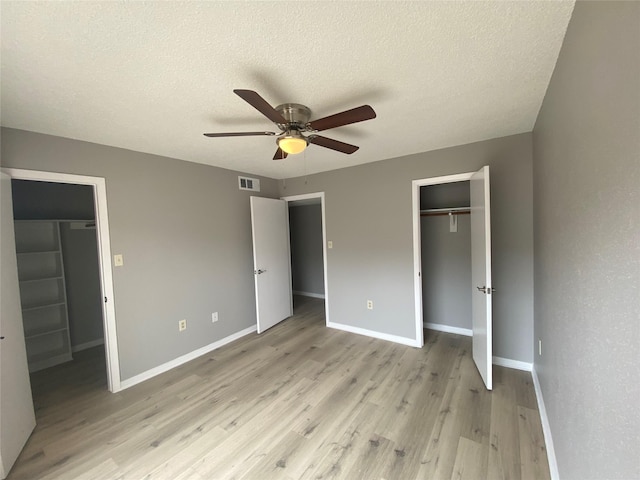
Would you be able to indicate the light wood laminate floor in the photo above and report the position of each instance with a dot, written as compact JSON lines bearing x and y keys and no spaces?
{"x":300,"y":401}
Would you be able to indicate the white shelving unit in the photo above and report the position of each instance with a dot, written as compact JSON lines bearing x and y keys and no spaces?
{"x":42,"y":293}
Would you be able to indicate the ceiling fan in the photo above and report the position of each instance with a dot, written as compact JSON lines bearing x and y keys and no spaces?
{"x":293,"y":119}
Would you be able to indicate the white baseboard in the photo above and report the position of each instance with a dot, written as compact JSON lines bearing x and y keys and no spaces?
{"x":546,"y":429}
{"x":84,"y":346}
{"x":130,"y":382}
{"x":370,"y":333}
{"x":309,"y":294}
{"x":448,"y":329}
{"x":516,"y":364}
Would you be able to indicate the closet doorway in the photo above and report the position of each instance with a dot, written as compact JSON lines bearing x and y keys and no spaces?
{"x":308,"y":246}
{"x":445,"y":231}
{"x":58,"y":270}
{"x":98,"y":187}
{"x":452,"y":260}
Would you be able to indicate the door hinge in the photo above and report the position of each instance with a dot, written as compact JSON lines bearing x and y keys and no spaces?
{"x":487,"y":290}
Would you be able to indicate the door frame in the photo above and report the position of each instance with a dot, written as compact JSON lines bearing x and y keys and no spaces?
{"x":104,"y":258}
{"x":307,"y":196}
{"x":417,"y":242}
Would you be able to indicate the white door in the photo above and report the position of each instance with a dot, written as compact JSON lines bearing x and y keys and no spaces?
{"x":481,"y":274}
{"x":271,"y":261}
{"x":17,"y":419}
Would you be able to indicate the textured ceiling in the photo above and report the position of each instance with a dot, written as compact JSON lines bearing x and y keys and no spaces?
{"x":153,"y":76}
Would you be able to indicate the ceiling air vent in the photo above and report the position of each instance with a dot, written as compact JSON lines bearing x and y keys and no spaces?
{"x":246,"y":183}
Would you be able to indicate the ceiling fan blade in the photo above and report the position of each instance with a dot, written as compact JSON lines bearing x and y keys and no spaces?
{"x":280,"y":154}
{"x":355,"y":115}
{"x":237,"y":134}
{"x":260,"y":104}
{"x":332,"y":144}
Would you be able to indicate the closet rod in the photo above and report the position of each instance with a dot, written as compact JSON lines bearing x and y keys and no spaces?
{"x":445,"y":211}
{"x":435,"y":214}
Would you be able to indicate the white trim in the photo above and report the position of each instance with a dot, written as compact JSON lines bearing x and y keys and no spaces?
{"x":308,"y":294}
{"x":467,"y":332}
{"x":546,"y":428}
{"x":417,"y":244}
{"x":515,"y":364}
{"x":176,"y":362}
{"x":320,"y":195}
{"x":86,"y":345}
{"x":371,"y":333}
{"x":104,"y":258}
{"x":417,"y":261}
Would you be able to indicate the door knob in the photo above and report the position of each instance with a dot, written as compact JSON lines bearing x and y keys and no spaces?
{"x":259,"y":271}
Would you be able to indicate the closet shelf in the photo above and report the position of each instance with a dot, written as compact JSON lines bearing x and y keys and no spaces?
{"x":48,"y":359}
{"x":43,"y":293}
{"x":27,"y":308}
{"x":43,"y":279}
{"x":42,"y":333}
{"x":38,"y":252}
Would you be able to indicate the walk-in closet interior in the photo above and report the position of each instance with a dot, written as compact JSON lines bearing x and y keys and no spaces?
{"x":58,"y":270}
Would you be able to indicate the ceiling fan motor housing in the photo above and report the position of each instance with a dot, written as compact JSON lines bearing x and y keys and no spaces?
{"x":296,"y":115}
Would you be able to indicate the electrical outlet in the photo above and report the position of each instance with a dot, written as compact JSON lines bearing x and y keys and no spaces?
{"x":182,"y":325}
{"x":369,"y":304}
{"x":214,"y":317}
{"x":539,"y":347}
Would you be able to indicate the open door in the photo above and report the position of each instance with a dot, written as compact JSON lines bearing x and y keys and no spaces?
{"x":17,"y":418}
{"x":481,"y":274}
{"x":271,"y":261}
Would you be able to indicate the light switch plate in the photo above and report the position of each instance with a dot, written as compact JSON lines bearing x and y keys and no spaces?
{"x":329,"y":244}
{"x":118,"y":260}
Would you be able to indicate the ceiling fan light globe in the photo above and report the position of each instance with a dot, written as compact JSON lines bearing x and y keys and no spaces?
{"x":292,"y":144}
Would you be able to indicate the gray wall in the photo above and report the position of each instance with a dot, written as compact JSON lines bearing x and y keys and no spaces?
{"x":446,"y":257}
{"x":369,"y":219}
{"x":185,"y":232}
{"x":305,"y":227}
{"x":62,"y":201}
{"x":587,"y":244}
{"x":82,"y":275}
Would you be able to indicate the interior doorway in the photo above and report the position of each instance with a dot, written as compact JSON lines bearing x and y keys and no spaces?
{"x":98,"y":186}
{"x":445,"y":226}
{"x":480,"y":288}
{"x":308,"y":247}
{"x":58,"y":270}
